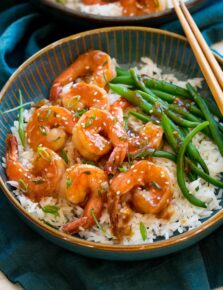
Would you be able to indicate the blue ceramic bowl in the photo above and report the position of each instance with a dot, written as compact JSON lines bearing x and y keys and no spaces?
{"x":34,"y":78}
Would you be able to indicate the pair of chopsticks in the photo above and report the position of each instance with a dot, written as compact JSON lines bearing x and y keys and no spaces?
{"x":207,"y":62}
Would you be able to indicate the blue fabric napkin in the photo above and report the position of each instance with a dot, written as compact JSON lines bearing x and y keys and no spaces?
{"x":35,"y":263}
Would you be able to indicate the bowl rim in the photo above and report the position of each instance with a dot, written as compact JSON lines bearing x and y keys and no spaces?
{"x":217,"y":218}
{"x":117,"y":19}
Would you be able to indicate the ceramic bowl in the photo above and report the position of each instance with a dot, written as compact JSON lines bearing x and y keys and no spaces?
{"x":72,"y":16}
{"x":34,"y":78}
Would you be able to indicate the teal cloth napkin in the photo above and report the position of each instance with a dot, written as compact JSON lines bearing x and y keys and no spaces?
{"x":35,"y":263}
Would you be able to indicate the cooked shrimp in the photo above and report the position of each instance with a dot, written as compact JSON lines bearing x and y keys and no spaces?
{"x":150,"y":190}
{"x":49,"y":127}
{"x":82,"y":96}
{"x":95,"y":66}
{"x":138,"y":7}
{"x":89,"y":137}
{"x":85,"y":185}
{"x":149,"y":135}
{"x":42,"y":179}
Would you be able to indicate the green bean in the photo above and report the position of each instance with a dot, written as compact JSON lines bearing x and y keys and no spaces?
{"x":212,"y":124}
{"x":140,"y":84}
{"x":167,"y":128}
{"x":180,"y":166}
{"x":140,"y":116}
{"x":175,"y":117}
{"x":156,"y":153}
{"x":204,"y":175}
{"x":132,"y":96}
{"x":192,"y":151}
{"x":121,"y":72}
{"x":213,"y":108}
{"x":164,"y":96}
{"x":124,"y":80}
{"x":194,"y":154}
{"x":182,"y":122}
{"x":184,"y":112}
{"x":166,"y":87}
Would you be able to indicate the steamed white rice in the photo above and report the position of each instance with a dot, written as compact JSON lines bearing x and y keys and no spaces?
{"x":110,"y":9}
{"x":185,"y":216}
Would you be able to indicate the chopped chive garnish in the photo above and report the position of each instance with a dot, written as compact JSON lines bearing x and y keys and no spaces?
{"x":18,"y":107}
{"x":104,"y":63}
{"x":43,"y":130}
{"x":72,"y":102}
{"x":155,"y":185}
{"x":63,"y":2}
{"x":78,"y":114}
{"x":89,"y":162}
{"x":122,"y":138}
{"x":38,"y":180}
{"x":143,"y":231}
{"x":130,"y":158}
{"x":123,"y":169}
{"x":64,"y":156}
{"x":126,"y":121}
{"x":90,"y":121}
{"x":93,"y":116}
{"x":22,"y":185}
{"x":68,"y":182}
{"x":44,"y":154}
{"x":48,"y":114}
{"x":96,"y":221}
{"x":21,"y":129}
{"x":87,"y":172}
{"x":52,"y":209}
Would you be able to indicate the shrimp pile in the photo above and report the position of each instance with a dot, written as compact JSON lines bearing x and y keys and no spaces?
{"x":131,"y":7}
{"x":81,"y":150}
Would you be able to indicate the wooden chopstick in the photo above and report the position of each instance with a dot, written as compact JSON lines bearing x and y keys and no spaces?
{"x":206,"y":50}
{"x":213,"y":78}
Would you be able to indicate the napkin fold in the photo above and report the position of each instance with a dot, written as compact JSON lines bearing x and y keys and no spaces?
{"x":35,"y":263}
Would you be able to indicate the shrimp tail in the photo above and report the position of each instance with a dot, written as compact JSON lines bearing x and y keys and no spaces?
{"x":11,"y":149}
{"x":55,"y":92}
{"x":92,"y":212}
{"x":116,"y":158}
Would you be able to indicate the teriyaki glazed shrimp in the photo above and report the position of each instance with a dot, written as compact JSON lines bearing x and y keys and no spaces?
{"x":109,"y":161}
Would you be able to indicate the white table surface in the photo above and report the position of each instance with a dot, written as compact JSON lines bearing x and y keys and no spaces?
{"x":5,"y":284}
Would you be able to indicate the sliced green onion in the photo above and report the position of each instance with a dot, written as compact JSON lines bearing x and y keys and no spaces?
{"x":155,"y":185}
{"x":44,"y":154}
{"x":52,"y":209}
{"x":78,"y":114}
{"x":18,"y":107}
{"x":87,"y":172}
{"x":63,"y":2}
{"x":90,"y":121}
{"x":68,"y":182}
{"x":143,"y":231}
{"x":43,"y":130}
{"x":72,"y":102}
{"x":123,"y":169}
{"x":22,"y":185}
{"x":64,"y":156}
{"x":96,"y":221}
{"x":89,"y":162}
{"x":38,"y":180}
{"x":21,"y":129}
